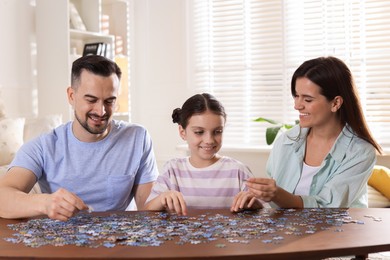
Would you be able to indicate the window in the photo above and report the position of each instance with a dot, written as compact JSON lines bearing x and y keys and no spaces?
{"x":245,"y":52}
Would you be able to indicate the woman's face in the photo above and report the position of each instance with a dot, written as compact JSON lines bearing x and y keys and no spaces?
{"x":204,"y":137}
{"x":314,"y":109}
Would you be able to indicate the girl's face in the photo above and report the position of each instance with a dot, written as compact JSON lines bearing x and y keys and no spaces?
{"x":204,"y":137}
{"x":314,"y":109}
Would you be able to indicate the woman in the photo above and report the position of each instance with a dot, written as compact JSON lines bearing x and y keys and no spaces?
{"x":326,"y":160}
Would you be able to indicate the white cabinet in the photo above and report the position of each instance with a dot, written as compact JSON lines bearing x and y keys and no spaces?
{"x":105,"y":21}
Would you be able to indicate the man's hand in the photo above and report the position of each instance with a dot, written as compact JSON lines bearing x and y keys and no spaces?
{"x":62,"y":204}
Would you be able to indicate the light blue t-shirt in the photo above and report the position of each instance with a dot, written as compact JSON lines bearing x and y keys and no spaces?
{"x":101,"y":173}
{"x":340,"y":182}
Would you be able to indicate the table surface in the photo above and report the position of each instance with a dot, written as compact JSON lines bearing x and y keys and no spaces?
{"x":276,"y":234}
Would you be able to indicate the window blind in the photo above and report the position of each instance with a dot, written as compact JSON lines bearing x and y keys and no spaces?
{"x":245,"y":52}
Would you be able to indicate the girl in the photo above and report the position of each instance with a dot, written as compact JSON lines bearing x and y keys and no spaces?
{"x":204,"y":179}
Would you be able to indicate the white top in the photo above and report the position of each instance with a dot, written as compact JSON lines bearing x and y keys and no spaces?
{"x":308,"y":172}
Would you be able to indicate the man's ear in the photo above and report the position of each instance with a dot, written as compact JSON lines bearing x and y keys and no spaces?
{"x":70,"y":94}
{"x":337,"y":103}
{"x":182,"y":133}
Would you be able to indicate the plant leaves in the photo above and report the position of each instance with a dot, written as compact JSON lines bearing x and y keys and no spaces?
{"x":288,"y":126}
{"x":271,"y":133}
{"x":262,"y":119}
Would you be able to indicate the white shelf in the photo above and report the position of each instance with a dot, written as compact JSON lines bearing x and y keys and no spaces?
{"x":86,"y":35}
{"x":56,"y":40}
{"x":79,"y":38}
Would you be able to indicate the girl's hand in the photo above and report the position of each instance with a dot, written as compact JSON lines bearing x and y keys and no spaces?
{"x":173,"y":201}
{"x":245,"y":200}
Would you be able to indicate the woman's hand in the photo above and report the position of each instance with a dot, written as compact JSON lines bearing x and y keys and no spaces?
{"x":262,"y":188}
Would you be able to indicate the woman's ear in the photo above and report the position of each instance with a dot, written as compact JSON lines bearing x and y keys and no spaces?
{"x":182,"y":132}
{"x":337,"y":103}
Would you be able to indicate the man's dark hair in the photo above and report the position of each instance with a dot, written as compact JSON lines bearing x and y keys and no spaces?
{"x":95,"y":64}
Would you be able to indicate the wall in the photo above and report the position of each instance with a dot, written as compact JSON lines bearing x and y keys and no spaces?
{"x":159,"y":71}
{"x":17,"y":56}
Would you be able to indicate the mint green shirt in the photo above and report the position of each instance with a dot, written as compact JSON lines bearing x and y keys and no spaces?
{"x":341,"y":181}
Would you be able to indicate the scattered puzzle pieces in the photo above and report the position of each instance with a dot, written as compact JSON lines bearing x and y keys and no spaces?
{"x":156,"y":228}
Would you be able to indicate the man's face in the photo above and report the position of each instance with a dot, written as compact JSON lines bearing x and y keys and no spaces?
{"x":93,"y":101}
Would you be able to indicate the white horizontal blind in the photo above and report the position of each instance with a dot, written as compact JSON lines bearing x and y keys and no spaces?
{"x":238,"y":47}
{"x":375,"y":78}
{"x":244,"y":52}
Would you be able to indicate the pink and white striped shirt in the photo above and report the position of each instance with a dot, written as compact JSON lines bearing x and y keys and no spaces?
{"x":211,"y":187}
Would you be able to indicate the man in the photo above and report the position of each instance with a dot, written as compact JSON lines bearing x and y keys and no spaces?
{"x":90,"y":162}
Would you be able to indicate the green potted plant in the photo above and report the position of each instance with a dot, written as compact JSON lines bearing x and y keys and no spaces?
{"x":272,"y":132}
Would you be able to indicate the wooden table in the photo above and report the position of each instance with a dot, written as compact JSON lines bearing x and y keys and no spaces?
{"x":349,"y":239}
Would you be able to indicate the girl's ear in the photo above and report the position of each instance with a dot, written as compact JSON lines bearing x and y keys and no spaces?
{"x":182,"y":133}
{"x":337,"y":102}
